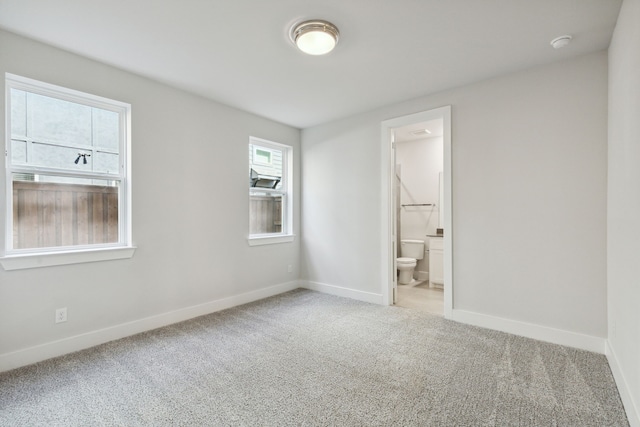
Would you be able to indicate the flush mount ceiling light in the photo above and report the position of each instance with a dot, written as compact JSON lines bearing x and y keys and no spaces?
{"x":561,"y":41}
{"x":315,"y":37}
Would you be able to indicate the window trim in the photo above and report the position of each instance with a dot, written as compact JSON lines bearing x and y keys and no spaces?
{"x":268,"y":239}
{"x":286,"y":235}
{"x":39,"y":257}
{"x":36,"y":260}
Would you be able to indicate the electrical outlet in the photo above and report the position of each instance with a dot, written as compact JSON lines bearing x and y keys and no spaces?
{"x":61,"y":315}
{"x":290,"y":268}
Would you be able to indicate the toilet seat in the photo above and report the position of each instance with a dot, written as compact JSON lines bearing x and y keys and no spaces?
{"x":406,"y":261}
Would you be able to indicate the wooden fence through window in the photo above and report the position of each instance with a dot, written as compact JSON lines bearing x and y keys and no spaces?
{"x":266,"y":214}
{"x":53,"y":215}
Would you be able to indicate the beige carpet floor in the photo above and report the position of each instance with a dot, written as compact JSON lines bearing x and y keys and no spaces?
{"x":309,"y":359}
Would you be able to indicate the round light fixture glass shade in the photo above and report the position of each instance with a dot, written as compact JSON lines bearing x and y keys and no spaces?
{"x":315,"y":37}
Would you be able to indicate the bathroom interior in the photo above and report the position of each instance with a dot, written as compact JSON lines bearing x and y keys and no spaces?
{"x":418,"y":202}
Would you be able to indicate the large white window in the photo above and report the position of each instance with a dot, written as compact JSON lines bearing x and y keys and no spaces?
{"x":67,"y":170}
{"x":270,"y":185}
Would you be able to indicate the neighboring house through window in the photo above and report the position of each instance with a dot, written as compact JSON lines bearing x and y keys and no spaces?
{"x":67,"y":170}
{"x":270,"y":195}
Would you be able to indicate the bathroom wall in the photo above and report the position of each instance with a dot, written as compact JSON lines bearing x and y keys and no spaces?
{"x":421,"y":162}
{"x":190,"y":217}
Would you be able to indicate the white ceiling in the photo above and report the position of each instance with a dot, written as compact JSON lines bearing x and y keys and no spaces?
{"x":238,"y":51}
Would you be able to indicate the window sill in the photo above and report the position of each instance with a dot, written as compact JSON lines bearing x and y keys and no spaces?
{"x":267,"y":239}
{"x":36,"y":260}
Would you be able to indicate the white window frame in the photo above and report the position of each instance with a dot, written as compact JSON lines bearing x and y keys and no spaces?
{"x":13,"y":259}
{"x":286,"y":233}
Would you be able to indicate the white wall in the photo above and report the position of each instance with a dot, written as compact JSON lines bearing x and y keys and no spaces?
{"x":190,"y":215}
{"x":529,"y":197}
{"x":623,"y":228}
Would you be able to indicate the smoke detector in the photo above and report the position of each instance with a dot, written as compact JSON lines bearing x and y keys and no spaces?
{"x":561,"y":41}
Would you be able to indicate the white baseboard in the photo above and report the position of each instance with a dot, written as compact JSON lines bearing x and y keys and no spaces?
{"x":48,"y":350}
{"x":342,"y":292}
{"x":530,"y":330}
{"x":632,"y":410}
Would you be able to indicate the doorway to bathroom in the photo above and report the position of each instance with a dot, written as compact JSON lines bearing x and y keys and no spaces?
{"x":416,"y":213}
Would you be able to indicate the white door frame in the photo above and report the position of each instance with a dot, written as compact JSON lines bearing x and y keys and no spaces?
{"x":387,"y":214}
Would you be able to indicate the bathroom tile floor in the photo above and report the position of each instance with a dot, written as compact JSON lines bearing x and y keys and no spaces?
{"x":418,"y":295}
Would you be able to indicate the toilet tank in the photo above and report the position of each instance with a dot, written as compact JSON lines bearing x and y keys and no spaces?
{"x":412,"y":249}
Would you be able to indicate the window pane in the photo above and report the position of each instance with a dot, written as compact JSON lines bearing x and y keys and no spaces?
{"x":18,"y":113}
{"x":59,"y":157}
{"x":265,"y":213}
{"x":105,"y":162}
{"x":105,"y":129}
{"x":50,"y":211}
{"x":266,"y":167}
{"x":55,"y":120}
{"x":18,"y":152}
{"x":49,"y":132}
{"x":65,"y":158}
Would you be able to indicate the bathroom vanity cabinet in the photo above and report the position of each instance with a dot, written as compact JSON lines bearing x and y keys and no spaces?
{"x":436,"y":257}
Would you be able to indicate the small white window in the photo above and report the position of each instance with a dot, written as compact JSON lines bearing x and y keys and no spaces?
{"x":67,"y":170}
{"x":270,"y":191}
{"x":262,"y":156}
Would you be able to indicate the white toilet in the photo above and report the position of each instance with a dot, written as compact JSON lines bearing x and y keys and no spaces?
{"x":410,"y":252}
